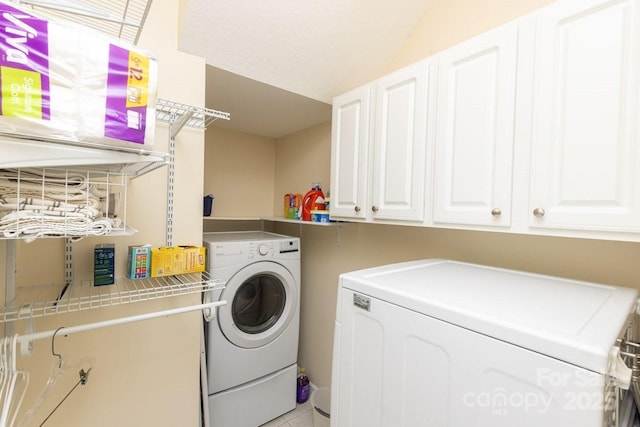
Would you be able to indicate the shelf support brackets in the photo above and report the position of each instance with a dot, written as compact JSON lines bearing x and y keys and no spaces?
{"x":26,"y":347}
{"x":10,"y":282}
{"x":178,"y":122}
{"x":178,"y":116}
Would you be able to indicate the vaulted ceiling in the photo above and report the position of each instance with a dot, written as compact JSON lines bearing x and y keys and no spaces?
{"x":276,"y":65}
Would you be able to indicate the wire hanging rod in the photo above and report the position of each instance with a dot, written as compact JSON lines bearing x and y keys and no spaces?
{"x":27,"y":338}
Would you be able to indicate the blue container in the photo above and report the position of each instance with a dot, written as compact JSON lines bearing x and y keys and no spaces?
{"x":208,"y":205}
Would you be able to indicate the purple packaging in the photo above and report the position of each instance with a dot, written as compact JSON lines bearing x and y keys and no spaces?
{"x":24,"y":64}
{"x":127,"y":95}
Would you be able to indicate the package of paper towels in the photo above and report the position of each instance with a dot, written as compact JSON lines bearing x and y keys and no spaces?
{"x":38,"y":96}
{"x":117,"y":91}
{"x":62,"y":80}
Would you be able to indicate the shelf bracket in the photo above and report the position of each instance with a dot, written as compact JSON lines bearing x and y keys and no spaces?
{"x":178,"y":122}
{"x":26,"y":347}
{"x":10,"y":283}
{"x":178,"y":116}
{"x":68,"y":261}
{"x":170,"y":186}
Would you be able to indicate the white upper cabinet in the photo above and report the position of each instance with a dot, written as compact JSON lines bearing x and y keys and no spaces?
{"x":400,"y":143}
{"x":475,"y":130}
{"x":585,"y":164}
{"x":379,"y":144}
{"x":533,"y":127}
{"x":350,"y":153}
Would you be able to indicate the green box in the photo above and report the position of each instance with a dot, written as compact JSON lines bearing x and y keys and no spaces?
{"x":104,"y":264}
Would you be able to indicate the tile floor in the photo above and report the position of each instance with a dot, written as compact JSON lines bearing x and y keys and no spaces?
{"x":302,"y":416}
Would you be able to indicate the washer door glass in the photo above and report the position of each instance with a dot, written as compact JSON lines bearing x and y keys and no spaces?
{"x":258,"y":303}
{"x":262,"y":300}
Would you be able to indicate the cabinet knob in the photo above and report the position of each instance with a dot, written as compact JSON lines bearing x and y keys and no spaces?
{"x":357,"y":209}
{"x":496,"y":212}
{"x":538,"y":212}
{"x":374,"y":208}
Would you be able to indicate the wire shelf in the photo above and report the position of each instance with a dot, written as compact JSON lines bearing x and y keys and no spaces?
{"x":39,"y":301}
{"x":20,"y":151}
{"x":194,"y":117}
{"x":51,"y":202}
{"x":123,"y":19}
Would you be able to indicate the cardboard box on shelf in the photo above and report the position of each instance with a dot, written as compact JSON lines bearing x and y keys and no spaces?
{"x":103,"y":264}
{"x":139,"y":262}
{"x":168,"y":261}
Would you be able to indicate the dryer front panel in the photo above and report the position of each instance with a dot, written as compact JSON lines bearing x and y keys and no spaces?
{"x":262,"y":299}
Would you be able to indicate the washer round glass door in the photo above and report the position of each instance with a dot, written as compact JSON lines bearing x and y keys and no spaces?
{"x":262,"y":299}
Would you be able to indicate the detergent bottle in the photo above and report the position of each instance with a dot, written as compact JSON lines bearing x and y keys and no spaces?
{"x":313,"y":200}
{"x":303,"y":386}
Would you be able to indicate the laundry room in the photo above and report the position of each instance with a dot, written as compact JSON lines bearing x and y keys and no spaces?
{"x":242,"y":123}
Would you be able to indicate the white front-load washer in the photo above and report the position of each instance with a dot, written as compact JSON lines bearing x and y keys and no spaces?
{"x":252,"y":342}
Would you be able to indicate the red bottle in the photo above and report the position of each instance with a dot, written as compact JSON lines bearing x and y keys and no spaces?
{"x":313,"y":200}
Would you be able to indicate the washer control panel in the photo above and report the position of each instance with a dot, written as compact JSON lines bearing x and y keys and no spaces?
{"x":287,"y":246}
{"x":273,"y":248}
{"x":263,"y":249}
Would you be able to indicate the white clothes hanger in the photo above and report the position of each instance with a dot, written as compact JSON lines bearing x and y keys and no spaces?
{"x":13,"y":381}
{"x":4,"y":366}
{"x":57,"y":370}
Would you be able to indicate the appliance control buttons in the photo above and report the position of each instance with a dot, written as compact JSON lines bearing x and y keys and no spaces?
{"x":263,"y":249}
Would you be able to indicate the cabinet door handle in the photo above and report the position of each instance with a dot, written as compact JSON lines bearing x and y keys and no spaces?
{"x":357,"y":209}
{"x":538,"y":212}
{"x":374,"y":208}
{"x":496,"y":212}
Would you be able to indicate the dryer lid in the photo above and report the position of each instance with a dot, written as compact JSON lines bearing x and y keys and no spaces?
{"x":242,"y":236}
{"x":577,"y":322}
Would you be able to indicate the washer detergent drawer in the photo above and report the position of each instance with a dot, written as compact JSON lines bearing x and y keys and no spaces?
{"x":255,"y":403}
{"x":396,"y":367}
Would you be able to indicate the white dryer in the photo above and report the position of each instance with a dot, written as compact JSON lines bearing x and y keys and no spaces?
{"x":252,"y":343}
{"x":445,"y":343}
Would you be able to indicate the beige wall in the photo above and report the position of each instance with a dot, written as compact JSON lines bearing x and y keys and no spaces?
{"x":302,"y":159}
{"x":249,"y":175}
{"x":448,"y":22}
{"x":239,"y":173}
{"x":145,"y":373}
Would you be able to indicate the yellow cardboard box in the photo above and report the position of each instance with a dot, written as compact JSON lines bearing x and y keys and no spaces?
{"x":171,"y":260}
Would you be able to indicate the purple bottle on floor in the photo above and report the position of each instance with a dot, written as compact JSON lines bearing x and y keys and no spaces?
{"x":302,"y":393}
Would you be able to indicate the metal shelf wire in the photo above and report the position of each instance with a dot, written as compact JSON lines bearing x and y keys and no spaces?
{"x":39,"y":301}
{"x":194,"y":117}
{"x":51,"y":202}
{"x":20,"y":151}
{"x":123,"y":19}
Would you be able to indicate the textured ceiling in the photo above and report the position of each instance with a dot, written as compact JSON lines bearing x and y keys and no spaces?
{"x":312,"y":49}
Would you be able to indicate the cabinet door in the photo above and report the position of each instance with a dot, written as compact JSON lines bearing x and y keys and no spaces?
{"x":400,"y":142}
{"x":475,"y":134}
{"x":349,"y":153}
{"x":585,"y":167}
